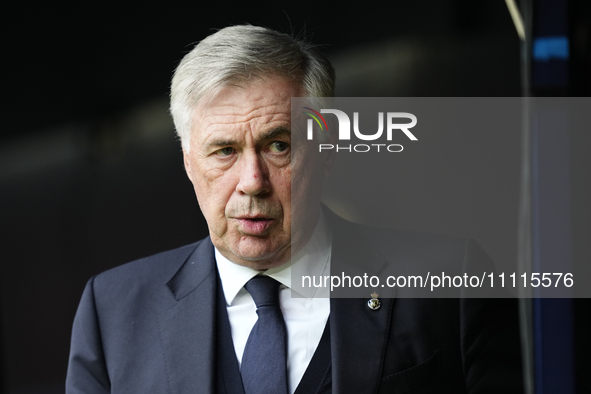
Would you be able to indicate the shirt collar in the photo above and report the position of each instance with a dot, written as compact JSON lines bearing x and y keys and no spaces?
{"x":314,"y":259}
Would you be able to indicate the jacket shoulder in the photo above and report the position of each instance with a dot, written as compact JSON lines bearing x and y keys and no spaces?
{"x":145,"y":272}
{"x":389,"y":241}
{"x":409,"y":251}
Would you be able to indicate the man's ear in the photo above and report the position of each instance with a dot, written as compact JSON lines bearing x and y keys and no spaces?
{"x":187,"y":162}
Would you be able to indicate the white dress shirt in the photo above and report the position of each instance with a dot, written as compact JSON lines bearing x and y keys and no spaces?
{"x":305,"y":318}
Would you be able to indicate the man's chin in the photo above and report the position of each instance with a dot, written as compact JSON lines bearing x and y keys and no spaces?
{"x":255,"y":253}
{"x":261,"y":265}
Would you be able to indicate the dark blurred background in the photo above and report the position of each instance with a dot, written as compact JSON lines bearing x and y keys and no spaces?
{"x":91,"y":173}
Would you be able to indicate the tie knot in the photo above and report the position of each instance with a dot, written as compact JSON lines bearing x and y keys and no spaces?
{"x":264,"y":290}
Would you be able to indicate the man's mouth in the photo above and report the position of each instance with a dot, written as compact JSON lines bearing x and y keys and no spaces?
{"x":253,"y":225}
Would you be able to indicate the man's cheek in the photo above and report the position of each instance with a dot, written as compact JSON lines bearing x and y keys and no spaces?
{"x":211,"y":175}
{"x":282,"y":183}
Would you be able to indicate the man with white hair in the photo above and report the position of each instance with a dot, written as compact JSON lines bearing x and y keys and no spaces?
{"x":216,"y":316}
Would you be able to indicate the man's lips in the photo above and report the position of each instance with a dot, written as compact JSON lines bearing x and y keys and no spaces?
{"x":253,"y":225}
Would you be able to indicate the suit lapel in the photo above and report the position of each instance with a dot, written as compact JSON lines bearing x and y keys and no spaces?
{"x":187,"y":325}
{"x":358,"y":334}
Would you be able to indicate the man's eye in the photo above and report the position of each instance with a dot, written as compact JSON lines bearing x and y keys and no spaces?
{"x":278,"y":146}
{"x":227,"y":151}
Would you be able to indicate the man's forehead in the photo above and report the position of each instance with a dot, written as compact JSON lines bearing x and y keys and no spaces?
{"x":263,"y":104}
{"x":228,"y":117}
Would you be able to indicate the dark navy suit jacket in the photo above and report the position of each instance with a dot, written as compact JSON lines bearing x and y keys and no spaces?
{"x":149,"y":326}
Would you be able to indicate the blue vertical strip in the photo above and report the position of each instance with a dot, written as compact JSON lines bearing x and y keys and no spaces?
{"x":554,"y":355}
{"x":550,"y":62}
{"x":551,"y":245}
{"x":538,"y":346}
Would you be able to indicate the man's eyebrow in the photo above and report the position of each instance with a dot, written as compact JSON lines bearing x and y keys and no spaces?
{"x":273,"y":133}
{"x":221,"y":142}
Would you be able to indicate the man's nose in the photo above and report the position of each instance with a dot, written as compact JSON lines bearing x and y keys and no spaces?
{"x":254,"y":177}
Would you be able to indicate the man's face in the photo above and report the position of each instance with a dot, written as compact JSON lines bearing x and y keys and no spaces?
{"x":241,"y":166}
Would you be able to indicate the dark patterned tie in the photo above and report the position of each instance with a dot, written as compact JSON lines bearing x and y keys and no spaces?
{"x":263,"y":366}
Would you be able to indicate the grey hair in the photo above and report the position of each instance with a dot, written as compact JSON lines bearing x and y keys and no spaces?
{"x":235,"y":55}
